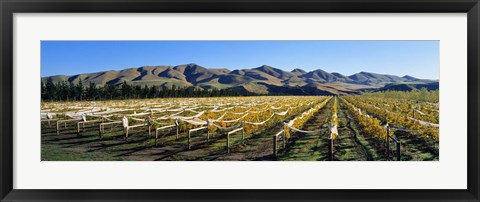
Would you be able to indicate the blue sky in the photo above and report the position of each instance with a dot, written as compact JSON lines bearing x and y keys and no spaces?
{"x":415,"y":58}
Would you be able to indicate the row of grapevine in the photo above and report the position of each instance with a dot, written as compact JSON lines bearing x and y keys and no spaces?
{"x":418,"y":110}
{"x":254,"y":116}
{"x":298,"y":121}
{"x":396,"y":120}
{"x":333,"y":121}
{"x":368,"y":124}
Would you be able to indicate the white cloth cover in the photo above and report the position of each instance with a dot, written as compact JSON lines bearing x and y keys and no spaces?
{"x":125,"y":121}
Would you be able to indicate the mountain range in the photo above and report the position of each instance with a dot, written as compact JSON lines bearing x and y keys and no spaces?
{"x":261,"y":80}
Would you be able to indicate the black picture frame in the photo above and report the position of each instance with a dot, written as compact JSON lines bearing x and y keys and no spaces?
{"x":10,"y":7}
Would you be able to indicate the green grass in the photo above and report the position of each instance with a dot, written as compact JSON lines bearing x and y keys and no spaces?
{"x":310,"y":147}
{"x":56,"y":153}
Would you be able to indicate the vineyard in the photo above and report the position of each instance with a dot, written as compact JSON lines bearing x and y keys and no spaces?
{"x":369,"y":127}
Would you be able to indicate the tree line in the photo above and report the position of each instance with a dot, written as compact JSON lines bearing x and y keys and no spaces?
{"x":68,"y":91}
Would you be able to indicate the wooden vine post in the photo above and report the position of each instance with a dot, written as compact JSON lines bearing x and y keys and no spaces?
{"x":102,"y":120}
{"x":156,"y":137}
{"x":208,"y":130}
{"x":275,"y":138}
{"x":398,"y":145}
{"x":330,"y":144}
{"x":149,"y":123}
{"x":58,"y":128}
{"x":388,"y":133}
{"x":398,"y":151}
{"x":125,"y":127}
{"x":243,"y":131}
{"x":228,"y":142}
{"x":78,"y":128}
{"x":387,"y":141}
{"x":149,"y":130}
{"x":275,"y":142}
{"x":126,"y":133}
{"x":176,"y":123}
{"x":188,"y":143}
{"x":100,"y":133}
{"x":330,"y":149}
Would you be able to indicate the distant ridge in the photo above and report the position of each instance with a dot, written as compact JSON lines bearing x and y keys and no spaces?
{"x":262,"y":80}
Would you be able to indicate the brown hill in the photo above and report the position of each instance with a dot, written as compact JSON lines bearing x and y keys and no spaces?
{"x":262,"y":80}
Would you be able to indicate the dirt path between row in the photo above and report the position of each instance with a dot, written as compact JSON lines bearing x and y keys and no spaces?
{"x":309,"y":147}
{"x":350,"y":145}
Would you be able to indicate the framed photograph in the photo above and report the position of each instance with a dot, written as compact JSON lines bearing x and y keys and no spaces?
{"x":198,"y":100}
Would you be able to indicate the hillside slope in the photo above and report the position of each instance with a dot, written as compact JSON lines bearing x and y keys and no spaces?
{"x":262,"y":80}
